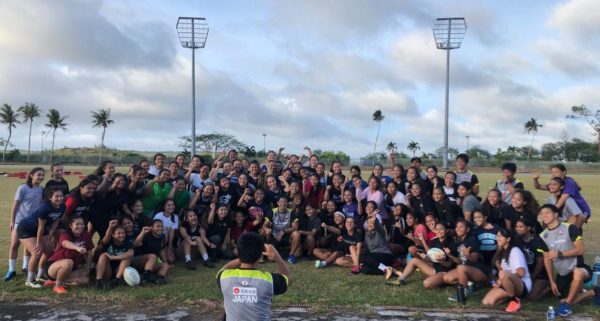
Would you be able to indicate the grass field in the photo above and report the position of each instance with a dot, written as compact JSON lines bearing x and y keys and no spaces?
{"x":328,"y":287}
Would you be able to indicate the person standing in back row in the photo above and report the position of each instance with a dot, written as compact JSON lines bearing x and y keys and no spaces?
{"x":463,"y":174}
{"x":247,"y":291}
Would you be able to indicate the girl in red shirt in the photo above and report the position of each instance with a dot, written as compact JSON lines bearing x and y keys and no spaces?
{"x":74,"y":247}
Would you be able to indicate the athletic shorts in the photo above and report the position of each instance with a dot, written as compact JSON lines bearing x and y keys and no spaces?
{"x":285,"y":241}
{"x":563,"y":282}
{"x":24,"y":233}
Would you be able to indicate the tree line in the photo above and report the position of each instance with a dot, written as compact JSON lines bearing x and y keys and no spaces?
{"x":28,"y":112}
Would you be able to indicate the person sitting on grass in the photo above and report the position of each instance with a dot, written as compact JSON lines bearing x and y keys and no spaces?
{"x":170,"y":221}
{"x":434,"y":271}
{"x":36,"y":231}
{"x":247,"y":291}
{"x":150,"y":253}
{"x":398,"y":241}
{"x":563,"y":258}
{"x":282,"y":229}
{"x":469,"y":262}
{"x":310,"y":225}
{"x":486,"y":235}
{"x":377,"y":255}
{"x":117,"y":256}
{"x":193,"y":241}
{"x":352,"y":237}
{"x":218,"y":233}
{"x":530,"y":242}
{"x":514,"y":281}
{"x":418,"y":233}
{"x":335,"y":247}
{"x":239,"y":226}
{"x":74,"y":247}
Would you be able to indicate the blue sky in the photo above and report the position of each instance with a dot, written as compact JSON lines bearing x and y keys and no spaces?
{"x":303,"y":72}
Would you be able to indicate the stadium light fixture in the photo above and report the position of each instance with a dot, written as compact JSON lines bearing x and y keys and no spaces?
{"x":448,"y":34}
{"x":192,"y":32}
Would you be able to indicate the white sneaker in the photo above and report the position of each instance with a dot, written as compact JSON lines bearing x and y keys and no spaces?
{"x":33,"y":285}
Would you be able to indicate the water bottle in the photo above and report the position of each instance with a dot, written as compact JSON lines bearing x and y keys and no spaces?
{"x":597,"y":264}
{"x":550,"y":315}
{"x":470,"y":288}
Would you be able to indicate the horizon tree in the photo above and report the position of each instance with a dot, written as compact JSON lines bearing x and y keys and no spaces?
{"x":10,"y":118}
{"x":29,"y":111}
{"x":593,"y":119}
{"x":55,"y":121}
{"x":413,"y":147}
{"x":532,"y":126}
{"x":101,"y":118}
{"x":378,"y":118}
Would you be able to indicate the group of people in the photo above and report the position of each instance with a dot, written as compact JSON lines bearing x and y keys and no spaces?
{"x":390,"y":222}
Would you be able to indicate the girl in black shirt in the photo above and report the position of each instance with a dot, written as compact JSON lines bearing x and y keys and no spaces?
{"x":529,"y":242}
{"x":150,"y":245}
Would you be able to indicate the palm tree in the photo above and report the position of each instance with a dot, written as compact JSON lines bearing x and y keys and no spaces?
{"x":10,"y":118}
{"x":392,"y":147}
{"x":532,"y":126}
{"x":101,"y":118}
{"x":413,"y":147}
{"x":29,"y":111}
{"x":512,"y":150}
{"x":378,"y":118}
{"x":55,"y":122}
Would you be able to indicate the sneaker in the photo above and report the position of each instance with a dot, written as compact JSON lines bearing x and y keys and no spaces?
{"x":209,"y":264}
{"x":160,"y":280}
{"x":49,"y":283}
{"x":597,"y":294}
{"x":190,"y":265}
{"x":564,"y":309}
{"x":513,"y":306}
{"x":10,"y":275}
{"x":319,"y":264}
{"x":355,"y":269}
{"x":25,"y":270}
{"x":60,"y":290}
{"x":99,"y":285}
{"x":32,"y":284}
{"x":292,"y":259}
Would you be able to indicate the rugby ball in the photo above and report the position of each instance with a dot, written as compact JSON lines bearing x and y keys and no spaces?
{"x":436,"y":255}
{"x":131,"y":276}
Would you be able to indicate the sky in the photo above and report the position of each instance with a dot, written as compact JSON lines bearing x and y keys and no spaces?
{"x":302,"y":72}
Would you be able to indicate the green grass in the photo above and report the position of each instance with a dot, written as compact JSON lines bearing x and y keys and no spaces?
{"x":331,"y":286}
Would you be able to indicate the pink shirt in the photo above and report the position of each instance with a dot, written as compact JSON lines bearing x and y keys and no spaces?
{"x":376,"y":197}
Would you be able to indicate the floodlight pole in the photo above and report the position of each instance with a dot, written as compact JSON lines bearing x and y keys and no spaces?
{"x":192,"y":32}
{"x":452,"y":40}
{"x":193,"y":92}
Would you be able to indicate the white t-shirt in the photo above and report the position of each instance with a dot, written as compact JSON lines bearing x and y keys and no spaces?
{"x":517,"y":260}
{"x":197,"y":181}
{"x":169,"y":223}
{"x":570,"y":208}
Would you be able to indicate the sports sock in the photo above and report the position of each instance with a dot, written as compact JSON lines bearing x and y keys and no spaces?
{"x":12,"y":265}
{"x":188,"y":258}
{"x":324,"y":263}
{"x":40,"y":273}
{"x":205,"y":257}
{"x":26,"y":261}
{"x":382,"y":267}
{"x":30,"y":276}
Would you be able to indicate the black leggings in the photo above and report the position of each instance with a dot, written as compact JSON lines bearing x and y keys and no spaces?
{"x":371,"y":262}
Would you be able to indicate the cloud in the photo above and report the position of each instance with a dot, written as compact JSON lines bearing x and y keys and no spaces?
{"x":577,"y":19}
{"x":75,"y":33}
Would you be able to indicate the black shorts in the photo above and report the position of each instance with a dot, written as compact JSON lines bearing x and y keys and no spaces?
{"x":114,"y":265}
{"x":525,"y":292}
{"x":438,"y":268}
{"x":23,"y":232}
{"x":285,"y":241}
{"x":564,"y":282}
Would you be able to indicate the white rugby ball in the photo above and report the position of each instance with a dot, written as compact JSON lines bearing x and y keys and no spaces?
{"x":436,"y":255}
{"x":131,"y":276}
